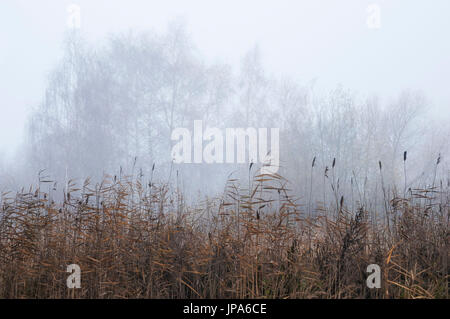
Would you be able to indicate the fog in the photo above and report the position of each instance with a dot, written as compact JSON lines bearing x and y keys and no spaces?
{"x":345,"y":94}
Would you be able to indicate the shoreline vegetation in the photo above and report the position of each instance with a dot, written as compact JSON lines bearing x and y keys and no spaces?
{"x":133,"y":239}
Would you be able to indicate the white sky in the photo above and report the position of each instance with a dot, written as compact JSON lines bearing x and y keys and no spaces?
{"x":324,"y":39}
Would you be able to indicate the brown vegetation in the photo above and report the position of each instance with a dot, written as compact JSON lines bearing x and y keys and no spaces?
{"x":133,"y":240}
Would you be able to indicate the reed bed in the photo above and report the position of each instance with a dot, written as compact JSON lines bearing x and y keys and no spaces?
{"x":140,"y":240}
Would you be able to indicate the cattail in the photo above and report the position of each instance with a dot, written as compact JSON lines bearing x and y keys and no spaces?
{"x":314,"y":161}
{"x":334,"y":162}
{"x":326,"y":172}
{"x":405,"y":153}
{"x":438,"y":160}
{"x":379,"y":164}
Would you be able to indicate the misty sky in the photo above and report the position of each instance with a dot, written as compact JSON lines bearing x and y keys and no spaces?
{"x":326,"y":40}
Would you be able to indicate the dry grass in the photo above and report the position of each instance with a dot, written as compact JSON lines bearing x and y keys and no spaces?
{"x":133,"y":240}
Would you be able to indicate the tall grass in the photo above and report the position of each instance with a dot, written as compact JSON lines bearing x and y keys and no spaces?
{"x":139,"y":240}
